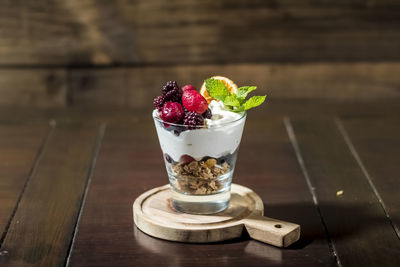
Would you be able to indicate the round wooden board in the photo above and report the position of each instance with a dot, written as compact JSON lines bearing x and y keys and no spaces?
{"x":153,"y":214}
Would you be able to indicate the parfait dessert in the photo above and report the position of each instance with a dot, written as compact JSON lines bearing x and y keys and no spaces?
{"x":199,"y":135}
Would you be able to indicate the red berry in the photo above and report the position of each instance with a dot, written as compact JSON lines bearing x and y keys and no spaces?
{"x":188,"y":87}
{"x":186,"y":159}
{"x":172,"y":112}
{"x":193,"y":101}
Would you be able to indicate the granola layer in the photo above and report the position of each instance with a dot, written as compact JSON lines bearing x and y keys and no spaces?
{"x":200,"y":177}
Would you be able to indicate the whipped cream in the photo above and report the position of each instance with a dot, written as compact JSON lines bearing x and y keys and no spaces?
{"x":220,"y":114}
{"x":221,"y":137}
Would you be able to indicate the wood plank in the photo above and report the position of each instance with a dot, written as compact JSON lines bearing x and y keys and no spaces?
{"x":19,"y":148}
{"x":377,"y":144}
{"x":45,"y":88}
{"x":42,"y":228}
{"x":130,"y":163}
{"x":387,"y":108}
{"x":88,"y":32}
{"x":356,"y":222}
{"x":136,"y":87}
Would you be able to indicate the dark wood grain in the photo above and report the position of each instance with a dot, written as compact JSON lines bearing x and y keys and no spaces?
{"x":43,"y":88}
{"x":377,"y":143}
{"x":92,"y":32}
{"x":356,"y":222}
{"x":136,"y":87}
{"x":42,"y":228}
{"x":130,"y":163}
{"x":383,"y":108}
{"x":19,"y":149}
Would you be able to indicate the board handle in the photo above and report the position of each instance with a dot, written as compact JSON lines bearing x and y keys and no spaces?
{"x":271,"y":231}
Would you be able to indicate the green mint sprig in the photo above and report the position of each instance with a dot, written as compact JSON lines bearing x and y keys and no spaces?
{"x":234,"y":102}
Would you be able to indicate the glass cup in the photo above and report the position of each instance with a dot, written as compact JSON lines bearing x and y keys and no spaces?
{"x":200,"y":162}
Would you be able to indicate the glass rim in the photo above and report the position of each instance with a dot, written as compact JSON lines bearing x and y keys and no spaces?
{"x":244,"y":115}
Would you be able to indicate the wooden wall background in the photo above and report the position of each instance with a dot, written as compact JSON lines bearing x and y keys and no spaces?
{"x":57,"y":53}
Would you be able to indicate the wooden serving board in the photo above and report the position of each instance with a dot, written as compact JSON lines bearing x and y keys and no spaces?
{"x":153,"y":214}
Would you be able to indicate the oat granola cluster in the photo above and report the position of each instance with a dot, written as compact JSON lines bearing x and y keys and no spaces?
{"x":200,"y":177}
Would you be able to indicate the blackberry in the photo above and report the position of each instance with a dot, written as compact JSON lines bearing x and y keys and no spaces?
{"x":175,"y":129}
{"x":207,"y":114}
{"x":173,"y":96}
{"x":169,"y":86}
{"x":158,"y":102}
{"x":193,"y":120}
{"x":172,"y":92}
{"x":168,"y":158}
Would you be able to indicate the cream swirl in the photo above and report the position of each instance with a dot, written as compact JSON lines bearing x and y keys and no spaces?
{"x":220,"y":114}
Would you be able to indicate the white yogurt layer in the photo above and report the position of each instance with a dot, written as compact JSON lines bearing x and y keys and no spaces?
{"x":221,"y":137}
{"x":220,"y":115}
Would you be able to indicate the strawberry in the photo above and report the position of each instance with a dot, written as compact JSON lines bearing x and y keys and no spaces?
{"x":172,"y":112}
{"x":188,"y":87}
{"x":193,"y":101}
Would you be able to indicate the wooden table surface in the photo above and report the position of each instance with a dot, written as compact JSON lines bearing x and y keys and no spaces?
{"x":68,"y":180}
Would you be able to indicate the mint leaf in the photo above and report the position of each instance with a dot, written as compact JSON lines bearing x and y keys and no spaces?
{"x":239,"y":109}
{"x":254,"y":102}
{"x":231,"y":100}
{"x":245,"y":90}
{"x":235,"y":102}
{"x":217,"y":89}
